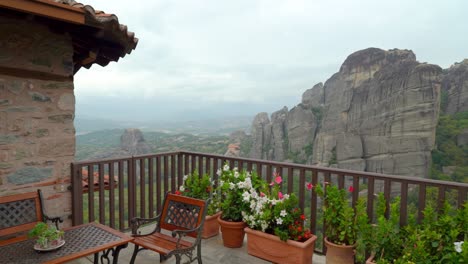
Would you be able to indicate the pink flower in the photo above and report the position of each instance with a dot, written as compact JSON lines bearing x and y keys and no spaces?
{"x":309,"y":186}
{"x":278,"y":179}
{"x":272,"y":183}
{"x":351,"y":189}
{"x":262,"y":194}
{"x":280,"y":195}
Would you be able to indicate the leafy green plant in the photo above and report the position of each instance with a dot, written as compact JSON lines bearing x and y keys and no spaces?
{"x":344,"y":225}
{"x":441,"y":237}
{"x":200,"y":188}
{"x":45,"y":235}
{"x":386,"y":238}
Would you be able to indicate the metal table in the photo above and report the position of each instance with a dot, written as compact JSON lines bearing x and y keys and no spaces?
{"x":80,"y":241}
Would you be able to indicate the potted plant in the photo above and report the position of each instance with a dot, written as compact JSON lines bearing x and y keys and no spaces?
{"x":343,"y":224}
{"x":385,"y":240}
{"x":276,"y":229}
{"x":203,"y":188}
{"x":439,"y":238}
{"x":234,"y":186}
{"x":47,"y":237}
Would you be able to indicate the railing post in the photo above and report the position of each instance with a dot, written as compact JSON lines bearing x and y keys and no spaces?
{"x":131,"y":171}
{"x":77,"y":194}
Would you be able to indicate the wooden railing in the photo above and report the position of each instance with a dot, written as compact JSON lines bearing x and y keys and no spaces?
{"x":140,"y":183}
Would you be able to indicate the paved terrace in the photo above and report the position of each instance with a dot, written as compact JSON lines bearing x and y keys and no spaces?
{"x":213,"y":252}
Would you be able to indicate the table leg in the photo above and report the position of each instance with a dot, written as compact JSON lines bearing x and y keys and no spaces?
{"x":116,"y":253}
{"x":96,"y":258}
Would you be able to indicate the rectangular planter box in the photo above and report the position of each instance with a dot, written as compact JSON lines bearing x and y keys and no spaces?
{"x":271,"y":248}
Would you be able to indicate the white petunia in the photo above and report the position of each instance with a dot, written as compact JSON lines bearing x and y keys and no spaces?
{"x":458,"y":246}
{"x":219,"y":172}
{"x":236,"y":174}
{"x":232,"y":186}
{"x":226,"y":167}
{"x":246,"y":196}
{"x":283,"y":213}
{"x":279,"y":221}
{"x":181,"y":188}
{"x":286,"y":196}
{"x":240,"y":185}
{"x":185,"y":177}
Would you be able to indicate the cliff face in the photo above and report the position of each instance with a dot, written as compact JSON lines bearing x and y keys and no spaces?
{"x":378,"y":113}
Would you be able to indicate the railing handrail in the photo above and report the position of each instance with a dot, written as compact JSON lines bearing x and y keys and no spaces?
{"x":380,"y":176}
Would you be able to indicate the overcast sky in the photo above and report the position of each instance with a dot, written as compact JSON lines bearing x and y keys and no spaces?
{"x":205,"y":59}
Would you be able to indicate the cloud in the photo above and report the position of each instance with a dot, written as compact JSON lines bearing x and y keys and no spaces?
{"x":262,"y":53}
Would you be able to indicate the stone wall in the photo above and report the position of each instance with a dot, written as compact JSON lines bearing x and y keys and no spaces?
{"x":37,"y":106}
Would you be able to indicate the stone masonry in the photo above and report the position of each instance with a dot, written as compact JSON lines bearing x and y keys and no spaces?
{"x":37,"y":106}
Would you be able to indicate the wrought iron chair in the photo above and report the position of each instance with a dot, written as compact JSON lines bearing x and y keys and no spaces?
{"x":21,"y":212}
{"x":182,"y":215}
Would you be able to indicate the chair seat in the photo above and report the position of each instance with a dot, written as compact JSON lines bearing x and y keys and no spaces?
{"x":160,"y":243}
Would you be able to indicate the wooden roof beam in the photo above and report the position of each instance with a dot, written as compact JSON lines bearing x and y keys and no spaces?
{"x":47,"y":9}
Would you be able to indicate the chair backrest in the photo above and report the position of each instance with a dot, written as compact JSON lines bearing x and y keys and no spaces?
{"x":184,"y":213}
{"x":20,"y":212}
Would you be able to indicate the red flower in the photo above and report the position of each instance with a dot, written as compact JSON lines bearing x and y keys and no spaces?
{"x":309,"y":186}
{"x":302,"y":217}
{"x":177,"y":192}
{"x":278,"y":179}
{"x":351,"y":189}
{"x":262,"y":194}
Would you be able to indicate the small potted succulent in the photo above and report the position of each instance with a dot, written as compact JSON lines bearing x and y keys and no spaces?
{"x":47,"y":237}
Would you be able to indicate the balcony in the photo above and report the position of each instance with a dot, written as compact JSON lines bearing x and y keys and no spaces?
{"x":135,"y":186}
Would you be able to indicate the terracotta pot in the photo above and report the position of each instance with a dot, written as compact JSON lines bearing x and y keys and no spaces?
{"x":339,"y":254}
{"x":211,"y":226}
{"x":271,"y":248}
{"x":232,"y":233}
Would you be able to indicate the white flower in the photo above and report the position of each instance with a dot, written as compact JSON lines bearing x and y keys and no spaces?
{"x":235,"y":169}
{"x":226,"y":167}
{"x":236,"y":174}
{"x":219,"y":172}
{"x":213,"y":182}
{"x":286,"y":196}
{"x":458,"y":246}
{"x":264,"y":226}
{"x":279,"y":221}
{"x":232,"y":186}
{"x":283,"y":213}
{"x":221,"y":183}
{"x":240,"y":185}
{"x":185,"y":177}
{"x":274,"y":201}
{"x":248,"y":183}
{"x":181,"y":188}
{"x":246,"y":196}
{"x":248,"y":175}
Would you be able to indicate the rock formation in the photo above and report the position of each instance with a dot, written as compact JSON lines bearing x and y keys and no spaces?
{"x":378,"y":113}
{"x":133,"y":143}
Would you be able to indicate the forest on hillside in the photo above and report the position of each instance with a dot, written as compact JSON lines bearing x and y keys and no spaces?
{"x":94,"y":144}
